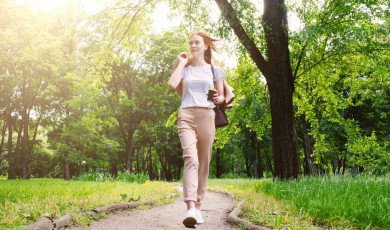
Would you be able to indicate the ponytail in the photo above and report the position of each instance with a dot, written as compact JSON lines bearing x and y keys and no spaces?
{"x":208,"y":55}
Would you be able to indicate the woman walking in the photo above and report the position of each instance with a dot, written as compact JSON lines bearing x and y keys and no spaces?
{"x":192,"y":78}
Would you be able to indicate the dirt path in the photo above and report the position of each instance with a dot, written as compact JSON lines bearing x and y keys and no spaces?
{"x":169,"y":216}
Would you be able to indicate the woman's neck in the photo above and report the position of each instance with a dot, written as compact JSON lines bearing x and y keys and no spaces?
{"x":198,"y":62}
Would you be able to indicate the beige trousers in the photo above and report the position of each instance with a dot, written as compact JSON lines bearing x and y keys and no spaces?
{"x":196,"y":132}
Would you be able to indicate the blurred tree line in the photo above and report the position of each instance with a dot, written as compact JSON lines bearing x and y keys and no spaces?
{"x":78,"y":87}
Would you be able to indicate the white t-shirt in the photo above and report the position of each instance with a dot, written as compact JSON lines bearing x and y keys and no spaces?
{"x":196,"y":83}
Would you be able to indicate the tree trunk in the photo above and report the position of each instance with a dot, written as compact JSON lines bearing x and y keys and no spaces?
{"x":150,"y":163}
{"x":11,"y":157}
{"x":286,"y":161}
{"x":25,"y":158}
{"x":254,"y":157}
{"x":281,"y":88}
{"x":137,"y":160}
{"x":344,"y":166}
{"x":114,"y":169}
{"x":163,"y":175}
{"x":260,"y":168}
{"x":3,"y":132}
{"x":308,"y":149}
{"x":129,"y":150}
{"x":169,"y":171}
{"x":247,"y":153}
{"x":269,"y":163}
{"x":18,"y":150}
{"x":30,"y":146}
{"x":278,"y":73}
{"x":144,"y":159}
{"x":247,"y":165}
{"x":218,"y":163}
{"x":341,"y":166}
{"x":66,"y":167}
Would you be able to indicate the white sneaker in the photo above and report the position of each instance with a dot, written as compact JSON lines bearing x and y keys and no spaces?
{"x":199,"y":218}
{"x":190,"y":219}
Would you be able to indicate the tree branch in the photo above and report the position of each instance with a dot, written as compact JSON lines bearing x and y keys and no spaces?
{"x":131,"y":23}
{"x":324,"y":57}
{"x":300,"y":59}
{"x":230,"y":15}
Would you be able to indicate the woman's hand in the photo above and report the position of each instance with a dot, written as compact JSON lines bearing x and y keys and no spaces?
{"x":178,"y":66}
{"x":218,"y":99}
{"x":183,"y":57}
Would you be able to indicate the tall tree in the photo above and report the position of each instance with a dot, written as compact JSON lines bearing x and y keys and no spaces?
{"x":278,"y":73}
{"x":337,"y":53}
{"x":27,"y":69}
{"x":132,"y":70}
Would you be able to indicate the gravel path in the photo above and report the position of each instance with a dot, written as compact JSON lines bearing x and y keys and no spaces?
{"x":214,"y":211}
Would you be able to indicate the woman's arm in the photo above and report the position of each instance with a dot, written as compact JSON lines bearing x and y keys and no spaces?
{"x":175,"y":78}
{"x":219,"y":97}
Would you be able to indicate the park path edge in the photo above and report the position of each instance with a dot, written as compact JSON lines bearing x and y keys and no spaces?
{"x":47,"y":223}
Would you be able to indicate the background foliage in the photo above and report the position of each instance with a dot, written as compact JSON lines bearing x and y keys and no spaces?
{"x":79,"y":87}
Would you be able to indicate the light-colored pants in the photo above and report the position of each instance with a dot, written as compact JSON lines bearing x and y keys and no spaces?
{"x":196,"y":132}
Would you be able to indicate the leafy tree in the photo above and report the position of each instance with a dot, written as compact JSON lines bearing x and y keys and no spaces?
{"x":94,"y":89}
{"x":278,"y":73}
{"x":335,"y":53}
{"x":27,"y":71}
{"x":249,"y":119}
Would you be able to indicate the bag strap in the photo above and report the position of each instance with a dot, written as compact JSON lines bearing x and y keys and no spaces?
{"x":212,"y":71}
{"x":215,"y":85}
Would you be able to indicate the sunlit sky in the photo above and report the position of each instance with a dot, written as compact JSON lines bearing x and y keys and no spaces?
{"x":161,"y":21}
{"x":90,"y":6}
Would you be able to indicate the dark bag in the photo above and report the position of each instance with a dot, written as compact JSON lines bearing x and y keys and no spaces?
{"x":220,"y":115}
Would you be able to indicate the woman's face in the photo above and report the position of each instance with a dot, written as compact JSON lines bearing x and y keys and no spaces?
{"x":197,"y":46}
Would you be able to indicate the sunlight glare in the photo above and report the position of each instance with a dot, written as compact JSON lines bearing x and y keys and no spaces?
{"x":160,"y":18}
{"x":89,"y":6}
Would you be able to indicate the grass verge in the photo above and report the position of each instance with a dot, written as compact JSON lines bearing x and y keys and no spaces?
{"x":24,"y":201}
{"x":313,"y":202}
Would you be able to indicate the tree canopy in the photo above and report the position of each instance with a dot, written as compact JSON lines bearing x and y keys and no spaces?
{"x":312,"y":94}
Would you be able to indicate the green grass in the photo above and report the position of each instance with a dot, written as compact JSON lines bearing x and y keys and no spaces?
{"x":359,"y":202}
{"x":260,"y":208}
{"x":24,"y":201}
{"x":314,"y":202}
{"x":101,"y":176}
{"x":307,"y":203}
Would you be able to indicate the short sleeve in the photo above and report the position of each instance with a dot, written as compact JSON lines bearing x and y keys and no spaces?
{"x":219,"y":74}
{"x":183,"y":73}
